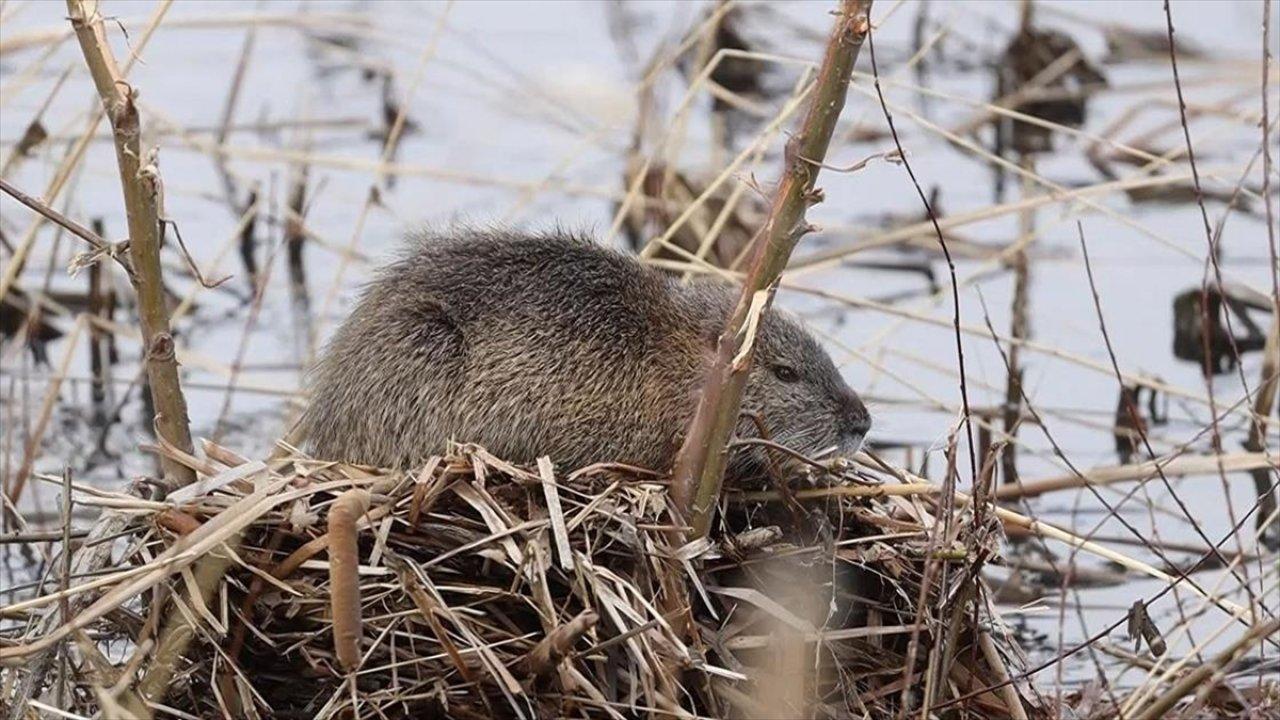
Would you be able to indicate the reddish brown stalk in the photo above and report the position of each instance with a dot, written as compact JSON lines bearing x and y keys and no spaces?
{"x":699,"y":467}
{"x":1019,"y":327}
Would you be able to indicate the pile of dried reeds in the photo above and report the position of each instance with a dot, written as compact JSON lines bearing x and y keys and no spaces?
{"x":473,"y":588}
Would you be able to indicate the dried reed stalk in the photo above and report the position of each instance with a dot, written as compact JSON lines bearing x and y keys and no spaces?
{"x":141,"y":186}
{"x":699,"y":466}
{"x":1143,"y":471}
{"x":179,"y":630}
{"x":140,"y":181}
{"x":547,"y":654}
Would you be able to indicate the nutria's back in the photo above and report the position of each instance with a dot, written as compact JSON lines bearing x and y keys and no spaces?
{"x":549,"y":345}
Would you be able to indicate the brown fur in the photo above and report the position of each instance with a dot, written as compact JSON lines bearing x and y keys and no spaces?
{"x":550,"y":345}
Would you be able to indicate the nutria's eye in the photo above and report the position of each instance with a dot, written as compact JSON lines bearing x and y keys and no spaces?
{"x":786,"y":373}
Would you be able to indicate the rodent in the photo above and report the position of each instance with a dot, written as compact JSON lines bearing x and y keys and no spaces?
{"x":548,"y":344}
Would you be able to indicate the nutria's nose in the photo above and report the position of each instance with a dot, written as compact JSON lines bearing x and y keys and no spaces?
{"x":855,"y":420}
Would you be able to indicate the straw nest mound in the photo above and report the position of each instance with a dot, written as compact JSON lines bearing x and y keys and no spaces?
{"x":473,"y":588}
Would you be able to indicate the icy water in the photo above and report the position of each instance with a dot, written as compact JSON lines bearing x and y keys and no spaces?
{"x":524,"y":113}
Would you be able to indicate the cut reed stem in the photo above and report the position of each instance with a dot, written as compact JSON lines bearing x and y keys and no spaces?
{"x":140,"y":181}
{"x":699,"y":466}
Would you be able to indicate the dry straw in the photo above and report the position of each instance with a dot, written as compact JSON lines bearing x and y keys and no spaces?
{"x":443,"y":589}
{"x":476,"y":588}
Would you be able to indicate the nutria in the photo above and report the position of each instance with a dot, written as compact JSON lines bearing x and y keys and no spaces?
{"x":547,"y":344}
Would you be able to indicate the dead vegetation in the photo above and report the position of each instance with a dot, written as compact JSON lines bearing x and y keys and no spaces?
{"x":913,"y":581}
{"x":458,"y":590}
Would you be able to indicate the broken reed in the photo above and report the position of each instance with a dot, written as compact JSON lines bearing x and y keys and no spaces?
{"x":141,"y":184}
{"x":699,"y":466}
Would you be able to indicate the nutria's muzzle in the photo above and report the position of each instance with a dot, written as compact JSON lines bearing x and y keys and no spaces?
{"x":853,"y":425}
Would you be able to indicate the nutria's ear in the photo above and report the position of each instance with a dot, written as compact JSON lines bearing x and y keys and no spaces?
{"x":433,"y":320}
{"x":431,"y":309}
{"x":708,"y":354}
{"x":710,"y":327}
{"x":710,"y":336}
{"x":706,"y":348}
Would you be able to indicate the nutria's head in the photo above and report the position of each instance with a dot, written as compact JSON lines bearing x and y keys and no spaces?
{"x":794,"y":389}
{"x":798,"y":393}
